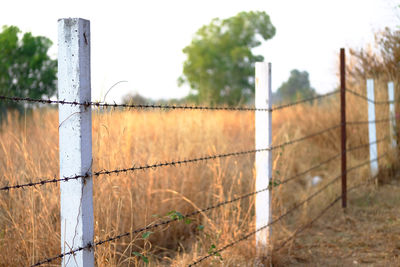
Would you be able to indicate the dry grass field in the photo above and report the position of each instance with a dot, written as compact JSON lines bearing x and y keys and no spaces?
{"x":29,"y":219}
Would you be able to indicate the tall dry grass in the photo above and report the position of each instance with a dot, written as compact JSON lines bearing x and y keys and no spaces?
{"x":29,"y":219}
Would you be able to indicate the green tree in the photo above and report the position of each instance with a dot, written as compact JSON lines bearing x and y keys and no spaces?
{"x":297,"y":86}
{"x":26,"y":70}
{"x":220,"y":64}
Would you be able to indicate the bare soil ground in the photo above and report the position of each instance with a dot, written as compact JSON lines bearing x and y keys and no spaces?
{"x":367,"y":234}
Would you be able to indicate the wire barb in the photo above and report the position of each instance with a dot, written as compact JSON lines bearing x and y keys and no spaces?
{"x":159,"y":106}
{"x":128,"y":106}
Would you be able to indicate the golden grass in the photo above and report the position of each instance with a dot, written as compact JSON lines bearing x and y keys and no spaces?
{"x":29,"y":219}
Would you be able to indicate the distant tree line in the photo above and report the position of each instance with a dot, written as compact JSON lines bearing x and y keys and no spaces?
{"x":296,"y":87}
{"x":137,"y":99}
{"x":219,"y":66}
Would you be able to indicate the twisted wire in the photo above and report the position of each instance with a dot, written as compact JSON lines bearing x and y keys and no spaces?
{"x":367,"y":145}
{"x":134,"y":168}
{"x":368,"y":99}
{"x":366,"y":162}
{"x":163,"y":164}
{"x":336,"y":156}
{"x":183,"y":107}
{"x":128,"y":106}
{"x":367,"y":122}
{"x":158,"y":106}
{"x":305,"y":137}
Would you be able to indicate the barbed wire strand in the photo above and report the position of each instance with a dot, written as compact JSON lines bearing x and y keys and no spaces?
{"x":134,"y":168}
{"x":348,"y":190}
{"x":274,"y":147}
{"x":367,"y":145}
{"x":368,"y":99}
{"x":301,"y":229}
{"x":129,"y":106}
{"x":310,"y":223}
{"x":315,"y":167}
{"x":164,"y":164}
{"x":367,"y":162}
{"x":336,"y":156}
{"x":180,"y":162}
{"x":157,"y":106}
{"x":286,"y":213}
{"x":367,"y":122}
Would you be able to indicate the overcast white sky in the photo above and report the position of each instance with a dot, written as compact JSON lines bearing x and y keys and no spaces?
{"x":142,"y":41}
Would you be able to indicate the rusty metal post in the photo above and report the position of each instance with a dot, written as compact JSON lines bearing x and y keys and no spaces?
{"x":343,"y":125}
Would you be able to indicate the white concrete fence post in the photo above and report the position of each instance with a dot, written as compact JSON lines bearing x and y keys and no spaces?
{"x":75,"y":133}
{"x":263,"y":159}
{"x":392,"y":115}
{"x":373,"y":148}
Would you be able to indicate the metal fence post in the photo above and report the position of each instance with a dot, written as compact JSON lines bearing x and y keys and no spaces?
{"x":392,"y":115}
{"x":343,"y":125}
{"x":75,"y":130}
{"x":263,"y":159}
{"x":373,"y":148}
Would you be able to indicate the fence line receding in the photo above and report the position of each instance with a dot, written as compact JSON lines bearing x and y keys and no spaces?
{"x":75,"y":107}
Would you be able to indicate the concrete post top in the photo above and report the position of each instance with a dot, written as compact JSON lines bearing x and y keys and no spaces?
{"x":73,"y":20}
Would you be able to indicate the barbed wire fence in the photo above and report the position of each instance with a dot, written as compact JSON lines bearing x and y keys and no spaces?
{"x":203,"y":158}
{"x":82,"y":109}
